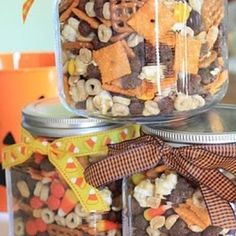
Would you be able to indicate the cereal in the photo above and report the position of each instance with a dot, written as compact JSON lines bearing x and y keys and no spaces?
{"x":89,"y":105}
{"x":170,"y":221}
{"x":103,"y":102}
{"x":48,"y":216}
{"x":119,"y":110}
{"x":134,"y":39}
{"x":157,"y":222}
{"x":151,"y":108}
{"x":212,"y":36}
{"x":104,"y":33}
{"x":85,"y":55}
{"x":19,"y":227}
{"x":153,"y":202}
{"x":121,"y":100}
{"x":106,"y":11}
{"x":93,"y":86}
{"x":60,"y":220}
{"x":89,"y":8}
{"x":73,"y":221}
{"x":23,"y":189}
{"x":187,"y":102}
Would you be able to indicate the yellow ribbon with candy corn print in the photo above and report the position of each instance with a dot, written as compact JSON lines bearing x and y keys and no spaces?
{"x":63,"y":153}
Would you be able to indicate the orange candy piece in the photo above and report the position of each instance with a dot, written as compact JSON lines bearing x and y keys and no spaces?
{"x":151,"y":213}
{"x":41,"y":225}
{"x":53,"y":203}
{"x":106,"y":225}
{"x":57,"y":189}
{"x":31,"y":228}
{"x":36,"y":203}
{"x":68,"y":203}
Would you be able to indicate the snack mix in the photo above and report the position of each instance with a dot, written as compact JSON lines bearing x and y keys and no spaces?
{"x":164,"y":203}
{"x":142,"y":57}
{"x":44,"y":205}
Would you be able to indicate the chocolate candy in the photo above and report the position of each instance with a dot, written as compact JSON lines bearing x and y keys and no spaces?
{"x":195,"y":22}
{"x":84,"y":28}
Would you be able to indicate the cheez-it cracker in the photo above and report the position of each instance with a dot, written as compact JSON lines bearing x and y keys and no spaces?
{"x":112,"y":61}
{"x":146,"y":15}
{"x":187,"y":55}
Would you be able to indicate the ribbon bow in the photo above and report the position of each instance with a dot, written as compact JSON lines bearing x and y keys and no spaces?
{"x":19,"y":153}
{"x":64,"y":153}
{"x":198,"y":163}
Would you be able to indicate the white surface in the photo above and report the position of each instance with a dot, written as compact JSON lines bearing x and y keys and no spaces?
{"x":4,"y":224}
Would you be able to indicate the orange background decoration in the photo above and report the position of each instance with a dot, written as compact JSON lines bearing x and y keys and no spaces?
{"x":33,"y":77}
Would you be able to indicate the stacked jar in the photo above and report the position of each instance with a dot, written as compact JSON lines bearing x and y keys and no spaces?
{"x":179,"y":178}
{"x":47,"y":191}
{"x":141,"y":60}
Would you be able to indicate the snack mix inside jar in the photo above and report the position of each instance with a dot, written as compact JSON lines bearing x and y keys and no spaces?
{"x":143,"y":60}
{"x":43,"y":191}
{"x":161,"y":202}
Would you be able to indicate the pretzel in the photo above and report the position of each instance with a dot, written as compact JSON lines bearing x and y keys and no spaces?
{"x":66,"y":14}
{"x":55,"y":230}
{"x":121,"y":11}
{"x":77,"y":45}
{"x":82,"y":16}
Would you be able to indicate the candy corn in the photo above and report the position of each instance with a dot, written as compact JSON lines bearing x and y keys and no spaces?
{"x":68,"y":203}
{"x":106,"y":225}
{"x":92,"y":197}
{"x":151,"y":213}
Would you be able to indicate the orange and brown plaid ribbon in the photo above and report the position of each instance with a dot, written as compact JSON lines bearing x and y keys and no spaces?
{"x":198,"y":163}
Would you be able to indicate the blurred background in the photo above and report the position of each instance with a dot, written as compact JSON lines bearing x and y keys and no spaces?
{"x":27,"y":64}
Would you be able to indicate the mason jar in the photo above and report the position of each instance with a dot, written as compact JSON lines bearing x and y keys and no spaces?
{"x":47,"y":193}
{"x":160,"y":200}
{"x":141,"y":60}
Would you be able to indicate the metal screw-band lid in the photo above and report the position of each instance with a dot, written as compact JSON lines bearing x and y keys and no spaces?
{"x":47,"y":117}
{"x":213,"y":127}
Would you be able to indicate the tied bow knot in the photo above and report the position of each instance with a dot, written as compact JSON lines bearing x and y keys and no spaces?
{"x":198,"y":163}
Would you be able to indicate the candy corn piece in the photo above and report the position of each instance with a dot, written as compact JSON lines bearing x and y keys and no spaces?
{"x":151,"y":213}
{"x":106,"y":225}
{"x":79,"y":181}
{"x":68,"y":203}
{"x":71,"y":166}
{"x":92,"y":197}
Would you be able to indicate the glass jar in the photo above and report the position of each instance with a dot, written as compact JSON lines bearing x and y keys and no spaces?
{"x":141,"y":60}
{"x":156,"y":198}
{"x":47,"y":192}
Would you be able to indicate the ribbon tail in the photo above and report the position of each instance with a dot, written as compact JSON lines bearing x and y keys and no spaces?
{"x":220,"y":211}
{"x":114,"y":149}
{"x":73,"y":173}
{"x":15,"y":155}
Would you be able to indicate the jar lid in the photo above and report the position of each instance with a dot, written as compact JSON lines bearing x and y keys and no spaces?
{"x":213,"y":127}
{"x":47,"y":117}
